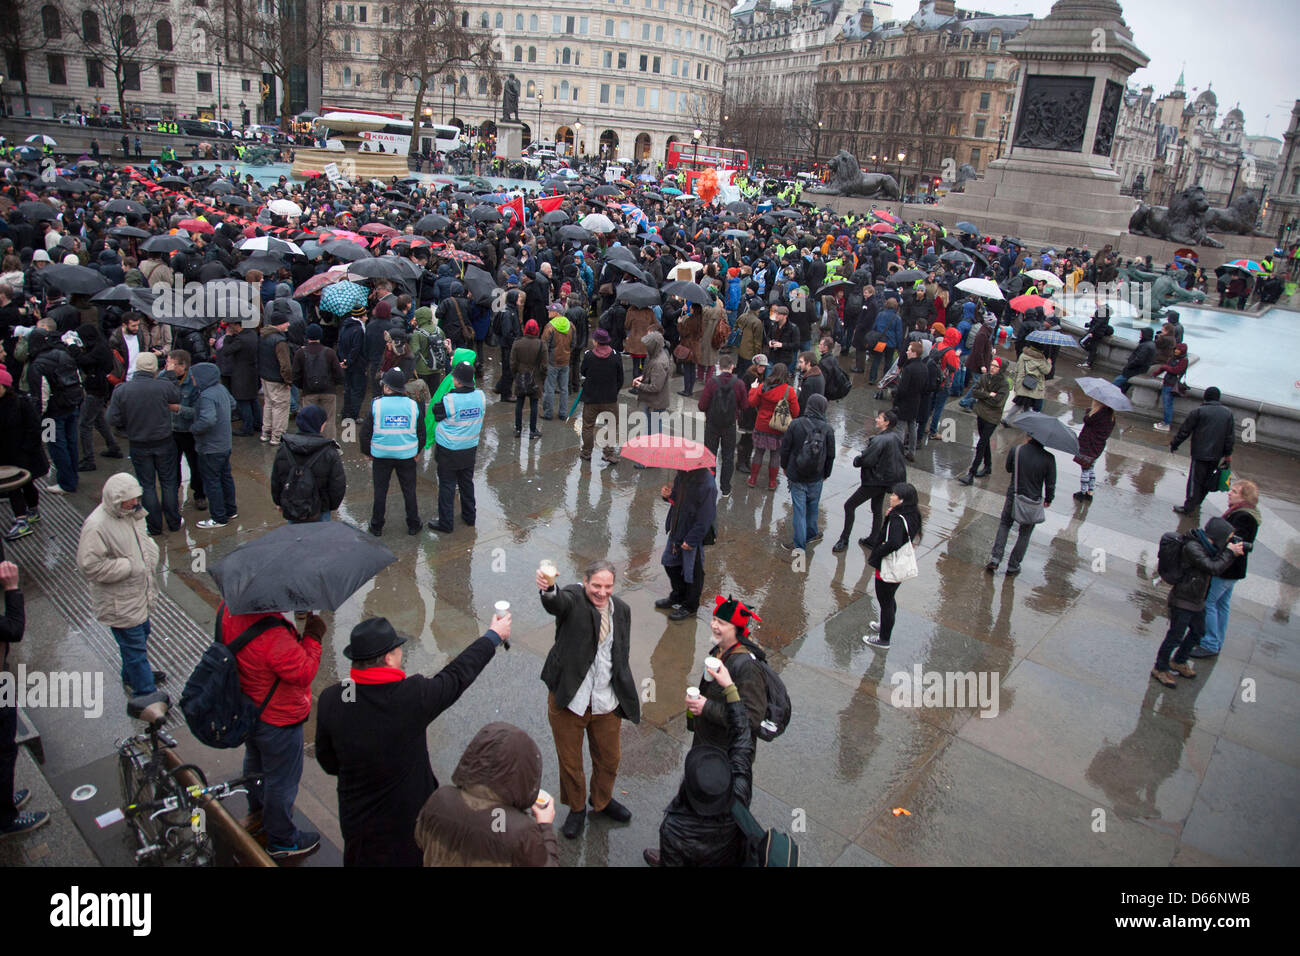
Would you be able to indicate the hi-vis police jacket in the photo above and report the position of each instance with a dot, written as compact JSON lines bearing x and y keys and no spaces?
{"x":395,"y":428}
{"x":460,"y":419}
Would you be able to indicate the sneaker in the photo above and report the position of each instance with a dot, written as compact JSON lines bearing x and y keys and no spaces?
{"x":874,"y":640}
{"x":308,"y":842}
{"x":21,"y":797}
{"x":34,"y":515}
{"x":573,"y":823}
{"x":789,"y":546}
{"x":24,"y":823}
{"x":1012,"y":572}
{"x":721,"y":494}
{"x":265,"y":437}
{"x":208,"y":523}
{"x":519,"y":432}
{"x":679,"y":613}
{"x":21,"y":528}
{"x":274,"y":442}
{"x":816,"y":537}
{"x":56,"y":490}
{"x":232,"y":516}
{"x":966,"y":479}
{"x":616,"y":812}
{"x":1160,"y":427}
{"x":874,"y":625}
{"x":991,"y":566}
{"x":840,"y":546}
{"x":1084,"y":365}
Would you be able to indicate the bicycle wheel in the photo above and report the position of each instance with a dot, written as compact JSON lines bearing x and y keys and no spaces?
{"x":136,"y":787}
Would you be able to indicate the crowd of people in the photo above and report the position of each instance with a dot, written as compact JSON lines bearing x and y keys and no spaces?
{"x":409,"y":300}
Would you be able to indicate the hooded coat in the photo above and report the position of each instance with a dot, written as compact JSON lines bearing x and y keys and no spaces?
{"x":812,"y":421}
{"x":1204,"y":557}
{"x":95,"y":360}
{"x":557,"y":338}
{"x":654,"y":377}
{"x":1032,"y":362}
{"x":331,"y":480}
{"x":213,"y":405}
{"x":20,"y":435}
{"x":484,"y":818}
{"x":118,"y":557}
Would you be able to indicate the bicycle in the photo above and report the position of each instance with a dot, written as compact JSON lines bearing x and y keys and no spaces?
{"x":165,"y":814}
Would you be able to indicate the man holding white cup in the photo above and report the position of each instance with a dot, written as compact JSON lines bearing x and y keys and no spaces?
{"x":591,"y":688}
{"x":735,"y":649}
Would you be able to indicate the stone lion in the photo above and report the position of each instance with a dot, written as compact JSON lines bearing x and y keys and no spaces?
{"x":1238,"y":217}
{"x":848,"y":179}
{"x":965,"y":173}
{"x":1184,"y":221}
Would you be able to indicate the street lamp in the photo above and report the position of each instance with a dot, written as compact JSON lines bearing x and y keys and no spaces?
{"x":901,"y":156}
{"x":695,"y":139}
{"x":539,"y":116}
{"x":4,"y":103}
{"x":1002,"y":131}
{"x":817,"y":143}
{"x":577,"y":136}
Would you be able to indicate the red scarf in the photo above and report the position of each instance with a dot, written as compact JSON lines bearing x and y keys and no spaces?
{"x":377,"y":675}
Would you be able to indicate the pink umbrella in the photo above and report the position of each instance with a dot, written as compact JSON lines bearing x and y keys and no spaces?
{"x":379,"y":229}
{"x":330,"y":235}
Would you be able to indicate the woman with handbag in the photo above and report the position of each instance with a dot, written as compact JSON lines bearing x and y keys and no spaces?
{"x":778,"y":405}
{"x":894,"y":558}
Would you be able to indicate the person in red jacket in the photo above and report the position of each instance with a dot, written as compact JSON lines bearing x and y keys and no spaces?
{"x":765,"y":395}
{"x":276,"y":670}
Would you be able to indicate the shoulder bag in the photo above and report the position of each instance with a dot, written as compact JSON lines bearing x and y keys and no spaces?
{"x":1025,"y":510}
{"x":900,"y":565}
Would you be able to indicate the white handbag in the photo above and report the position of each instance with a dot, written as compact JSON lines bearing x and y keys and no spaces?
{"x":899,"y":566}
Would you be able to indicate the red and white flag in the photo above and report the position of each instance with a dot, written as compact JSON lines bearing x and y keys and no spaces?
{"x":549,"y":203}
{"x":517,"y":206}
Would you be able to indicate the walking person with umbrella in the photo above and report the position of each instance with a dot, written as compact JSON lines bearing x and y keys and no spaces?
{"x":693,"y":498}
{"x":1033,"y":484}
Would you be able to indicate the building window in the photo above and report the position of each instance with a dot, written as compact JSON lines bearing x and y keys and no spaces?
{"x":131,"y":76}
{"x":164,"y":31}
{"x":963,"y":68}
{"x":984,"y":101}
{"x":980,"y":126}
{"x":90,"y":27}
{"x":361,"y":14}
{"x":483,"y":20}
{"x":995,"y":41}
{"x":347,"y":76}
{"x":95,"y":73}
{"x":975,"y":157}
{"x":532,"y":54}
{"x":624,"y":30}
{"x":464,"y":86}
{"x":557,"y":24}
{"x":604,"y":93}
{"x":204,"y":83}
{"x":654,"y":99}
{"x":640,"y":96}
{"x":383,"y":80}
{"x":607,"y":60}
{"x":532,"y":90}
{"x":246,"y":86}
{"x":990,"y":69}
{"x":659,"y":34}
{"x":609,"y":28}
{"x":622,"y":61}
{"x":482,"y":86}
{"x":584,"y":25}
{"x":52,"y":24}
{"x":519,"y":54}
{"x":532,"y":23}
{"x":654,"y":65}
{"x":619,"y":97}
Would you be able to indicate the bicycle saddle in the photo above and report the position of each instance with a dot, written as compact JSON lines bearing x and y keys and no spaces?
{"x":149,"y":707}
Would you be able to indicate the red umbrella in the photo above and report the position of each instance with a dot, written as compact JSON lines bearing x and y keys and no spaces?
{"x":196,"y":225}
{"x":330,"y":235}
{"x":379,"y":229}
{"x":881,"y":227}
{"x":668,"y":451}
{"x":318,"y":282}
{"x":1023,"y":303}
{"x":885,"y":215}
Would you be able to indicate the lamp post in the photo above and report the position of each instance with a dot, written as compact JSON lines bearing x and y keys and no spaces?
{"x":243,"y":113}
{"x":4,"y":103}
{"x":817,"y":142}
{"x":901,"y":156}
{"x":577,"y":137}
{"x":1002,"y":132}
{"x":538,"y":137}
{"x":428,"y":116}
{"x":695,"y":140}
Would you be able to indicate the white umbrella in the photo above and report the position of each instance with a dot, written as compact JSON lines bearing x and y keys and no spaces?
{"x":985,"y":288}
{"x":284,"y":207}
{"x":269,"y":244}
{"x":694,"y":268}
{"x":597,"y":222}
{"x":42,"y":139}
{"x":1042,"y":275}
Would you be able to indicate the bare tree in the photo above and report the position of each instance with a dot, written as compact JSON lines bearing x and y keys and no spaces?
{"x":427,"y":39}
{"x":21,"y":34}
{"x":282,"y":36}
{"x":119,"y":33}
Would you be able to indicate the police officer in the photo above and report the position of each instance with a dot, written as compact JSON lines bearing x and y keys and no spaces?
{"x":460,"y":419}
{"x":392,"y":437}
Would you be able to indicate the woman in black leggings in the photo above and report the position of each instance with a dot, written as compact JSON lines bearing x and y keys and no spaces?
{"x":990,"y":393}
{"x":902,"y":524}
{"x":882,"y":467}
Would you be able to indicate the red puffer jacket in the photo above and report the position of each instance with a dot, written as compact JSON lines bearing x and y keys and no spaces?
{"x":766,"y":400}
{"x":277,"y":652}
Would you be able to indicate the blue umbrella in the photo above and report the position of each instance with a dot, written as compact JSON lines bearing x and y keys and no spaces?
{"x":342,"y":297}
{"x":1051,"y":337}
{"x":670,"y":191}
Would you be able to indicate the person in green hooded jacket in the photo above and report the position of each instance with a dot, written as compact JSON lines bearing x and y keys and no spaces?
{"x":431,"y":348}
{"x":445,"y":386}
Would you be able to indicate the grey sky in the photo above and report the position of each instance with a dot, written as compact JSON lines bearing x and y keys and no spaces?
{"x":1244,"y":50}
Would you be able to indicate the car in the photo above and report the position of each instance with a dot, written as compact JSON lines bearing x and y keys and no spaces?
{"x":69,"y":119}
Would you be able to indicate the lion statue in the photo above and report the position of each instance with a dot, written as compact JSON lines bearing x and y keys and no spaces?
{"x":1184,"y":221}
{"x":848,"y":179}
{"x":1237,"y":218}
{"x":965,"y":173}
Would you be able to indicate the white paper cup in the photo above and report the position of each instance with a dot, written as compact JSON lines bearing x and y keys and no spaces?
{"x":543,"y":799}
{"x":711,"y":666}
{"x":693,"y":693}
{"x":502,"y":607}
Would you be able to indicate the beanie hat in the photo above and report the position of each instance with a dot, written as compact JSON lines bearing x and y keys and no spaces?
{"x":395,"y":379}
{"x":358,"y":311}
{"x":600,"y":337}
{"x":1218,"y":530}
{"x":40,"y":255}
{"x":382,"y":310}
{"x":310,"y":419}
{"x":146,"y":362}
{"x":314,"y":332}
{"x":1212,"y":394}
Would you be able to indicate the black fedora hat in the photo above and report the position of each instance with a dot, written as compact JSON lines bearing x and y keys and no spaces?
{"x":373,"y":637}
{"x":707,"y":783}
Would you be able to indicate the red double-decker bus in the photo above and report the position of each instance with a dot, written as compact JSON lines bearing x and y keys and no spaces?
{"x":689,"y":156}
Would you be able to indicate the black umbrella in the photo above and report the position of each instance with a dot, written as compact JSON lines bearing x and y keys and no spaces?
{"x":462,"y":197}
{"x":485,"y":214}
{"x":834,"y":286}
{"x":345,"y":249}
{"x":555,"y":217}
{"x":637,"y":294}
{"x":606,"y":190}
{"x":736,"y":234}
{"x":74,"y":280}
{"x":314,"y":565}
{"x":72,"y":186}
{"x":653,"y":196}
{"x":174,"y":181}
{"x":404,"y":207}
{"x":778,"y":202}
{"x":234,"y":201}
{"x":953,"y":243}
{"x":382,"y":267}
{"x":126,"y":207}
{"x":1047,"y":431}
{"x":743,"y":208}
{"x":575,"y":233}
{"x":906,"y":275}
{"x":137,"y":297}
{"x":482,"y":287}
{"x":37,"y":211}
{"x":128,"y":232}
{"x":968,"y":227}
{"x":432,"y":223}
{"x":221,"y":186}
{"x":689,"y":291}
{"x":165,"y":244}
{"x":631,"y":268}
{"x":263,"y":262}
{"x":953,"y":255}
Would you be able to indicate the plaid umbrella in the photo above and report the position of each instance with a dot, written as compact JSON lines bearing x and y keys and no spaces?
{"x":668,"y":451}
{"x":460,"y":255}
{"x":341,"y":298}
{"x":1051,"y":337}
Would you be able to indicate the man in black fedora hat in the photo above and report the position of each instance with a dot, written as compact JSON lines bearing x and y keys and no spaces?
{"x":370,"y":733}
{"x":698,"y":828}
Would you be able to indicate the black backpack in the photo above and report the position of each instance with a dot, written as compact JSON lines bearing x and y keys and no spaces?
{"x":65,"y":379}
{"x":316,"y":373}
{"x":779,"y":711}
{"x":811,"y":459}
{"x":722,"y":409}
{"x":1169,"y":557}
{"x":838,"y":383}
{"x":299,"y":496}
{"x":216,"y":710}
